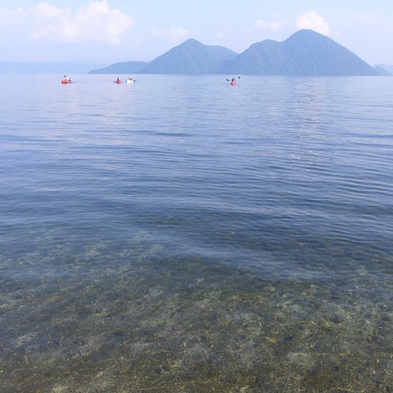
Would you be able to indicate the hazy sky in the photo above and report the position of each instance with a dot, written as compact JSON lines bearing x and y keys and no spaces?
{"x":122,"y":30}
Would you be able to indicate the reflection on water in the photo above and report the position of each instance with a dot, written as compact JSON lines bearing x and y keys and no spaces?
{"x":181,"y":235}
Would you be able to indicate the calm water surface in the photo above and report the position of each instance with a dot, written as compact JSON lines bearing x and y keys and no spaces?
{"x":183,"y":235}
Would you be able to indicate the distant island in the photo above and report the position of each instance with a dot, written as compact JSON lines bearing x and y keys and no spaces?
{"x":385,"y":69}
{"x":305,"y":53}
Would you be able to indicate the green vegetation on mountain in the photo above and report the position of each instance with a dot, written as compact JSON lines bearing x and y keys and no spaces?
{"x":267,"y":58}
{"x":311,"y":53}
{"x":191,"y":57}
{"x":305,"y":53}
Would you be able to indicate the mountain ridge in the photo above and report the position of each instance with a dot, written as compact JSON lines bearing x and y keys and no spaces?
{"x":197,"y":58}
{"x":304,"y":53}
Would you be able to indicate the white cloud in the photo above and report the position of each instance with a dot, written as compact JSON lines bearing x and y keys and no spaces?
{"x":274,"y":26}
{"x":311,"y":20}
{"x":46,"y":23}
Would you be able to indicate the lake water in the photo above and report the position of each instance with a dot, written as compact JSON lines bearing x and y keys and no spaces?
{"x":183,"y":235}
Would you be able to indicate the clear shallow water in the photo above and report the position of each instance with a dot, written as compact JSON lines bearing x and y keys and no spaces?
{"x":180,"y":234}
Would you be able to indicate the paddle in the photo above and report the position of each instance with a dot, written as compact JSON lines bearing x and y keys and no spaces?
{"x":231,"y":79}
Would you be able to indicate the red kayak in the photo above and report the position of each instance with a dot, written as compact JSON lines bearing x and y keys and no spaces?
{"x":66,"y":81}
{"x":233,"y":81}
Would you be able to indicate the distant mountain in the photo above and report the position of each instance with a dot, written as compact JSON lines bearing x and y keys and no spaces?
{"x":267,"y":57}
{"x":312,"y":53}
{"x":191,"y":57}
{"x":305,"y":53}
{"x":384,"y":69}
{"x":10,"y":67}
{"x":126,"y":67}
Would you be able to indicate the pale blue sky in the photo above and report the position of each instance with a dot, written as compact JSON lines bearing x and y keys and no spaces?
{"x":122,"y":30}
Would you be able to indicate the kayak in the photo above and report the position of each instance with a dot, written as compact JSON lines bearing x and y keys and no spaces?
{"x":130,"y":80}
{"x":117,"y":81}
{"x":66,"y":81}
{"x":233,"y":81}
